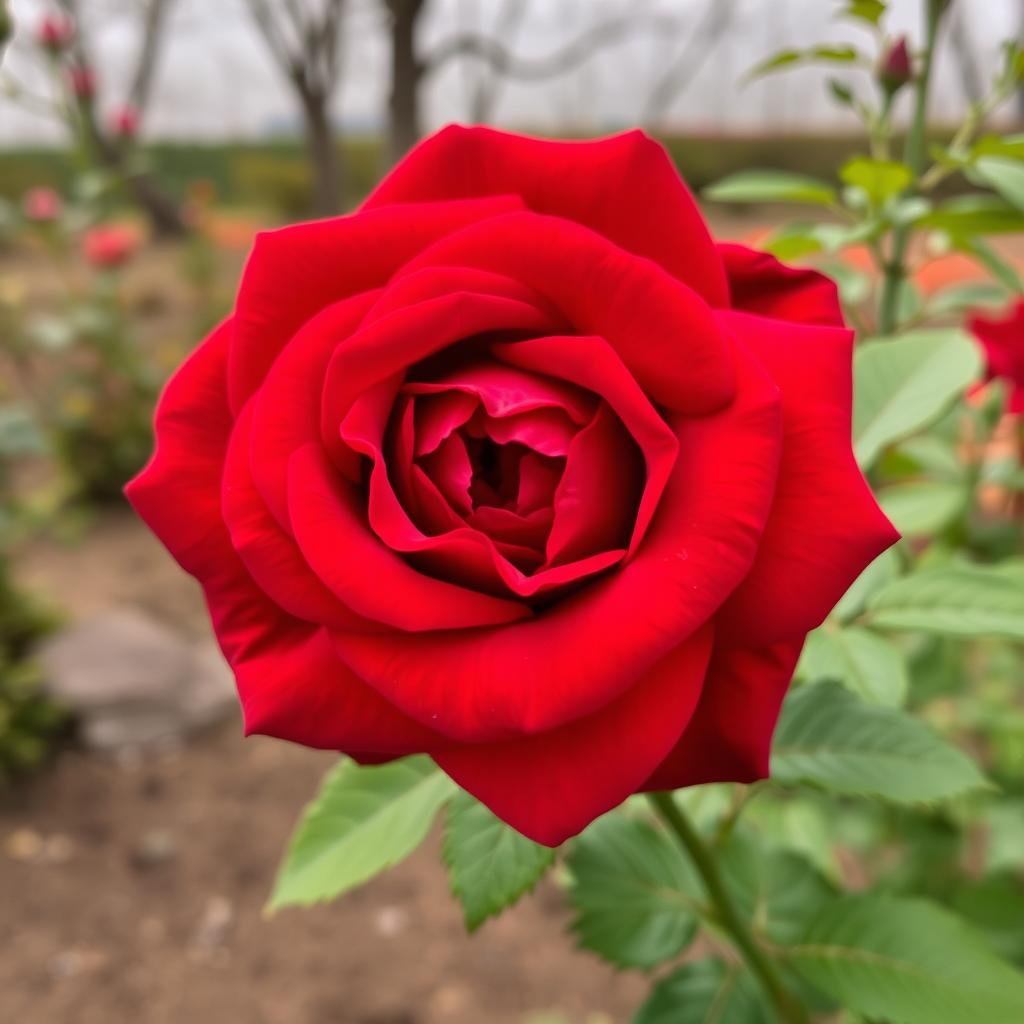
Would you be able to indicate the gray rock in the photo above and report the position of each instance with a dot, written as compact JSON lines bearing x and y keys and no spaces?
{"x":135,"y":683}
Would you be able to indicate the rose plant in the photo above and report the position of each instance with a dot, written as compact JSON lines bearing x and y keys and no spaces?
{"x":526,"y":495}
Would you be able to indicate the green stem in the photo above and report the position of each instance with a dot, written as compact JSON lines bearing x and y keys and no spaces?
{"x":760,"y":964}
{"x":895,"y":270}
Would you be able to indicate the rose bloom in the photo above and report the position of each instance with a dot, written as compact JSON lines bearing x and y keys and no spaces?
{"x":55,"y":33}
{"x":516,"y":467}
{"x":42,"y":205}
{"x":1002,"y":338}
{"x":109,"y":245}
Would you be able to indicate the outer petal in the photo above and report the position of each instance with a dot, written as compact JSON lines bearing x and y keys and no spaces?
{"x":286,"y":674}
{"x":178,"y":492}
{"x":729,"y":737}
{"x":295,"y":272}
{"x":590,"y":648}
{"x":624,"y":187}
{"x":825,"y":526}
{"x":760,"y":284}
{"x":551,"y":786}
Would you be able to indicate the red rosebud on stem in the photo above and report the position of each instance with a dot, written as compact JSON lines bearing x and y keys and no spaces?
{"x":55,"y":33}
{"x":895,"y":69}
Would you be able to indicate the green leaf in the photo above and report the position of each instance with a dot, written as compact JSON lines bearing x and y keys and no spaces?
{"x":770,"y":187}
{"x":874,"y":577}
{"x":705,"y":992}
{"x":881,"y":180}
{"x":829,"y":54}
{"x":1004,"y":175}
{"x":975,"y":215}
{"x":362,"y":821}
{"x":777,"y":891}
{"x":954,"y":600}
{"x":854,"y":285}
{"x":933,"y":454}
{"x":870,"y":11}
{"x":864,"y":662}
{"x":490,"y":865}
{"x":903,"y":384}
{"x":960,"y":297}
{"x":923,"y":507}
{"x":828,"y":738}
{"x":635,"y":898}
{"x":908,"y":962}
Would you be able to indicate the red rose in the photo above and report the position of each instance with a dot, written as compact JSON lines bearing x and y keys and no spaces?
{"x":1002,"y":338}
{"x":514,"y":466}
{"x":83,"y":82}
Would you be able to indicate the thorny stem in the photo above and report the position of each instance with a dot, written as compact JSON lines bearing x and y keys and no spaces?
{"x":726,"y":914}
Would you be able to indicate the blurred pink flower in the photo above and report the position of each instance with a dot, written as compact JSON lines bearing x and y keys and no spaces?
{"x":42,"y":205}
{"x":55,"y":33}
{"x":109,"y":245}
{"x":125,"y":122}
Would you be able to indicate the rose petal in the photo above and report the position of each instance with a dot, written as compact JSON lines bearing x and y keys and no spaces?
{"x":825,"y":527}
{"x":371,"y":579}
{"x":394,"y":343}
{"x":624,"y":187}
{"x":286,"y":409}
{"x":662,"y":330}
{"x":596,"y":500}
{"x":760,"y":284}
{"x":729,"y":738}
{"x":591,"y":363}
{"x":270,"y":555}
{"x":295,"y":272}
{"x":551,"y":786}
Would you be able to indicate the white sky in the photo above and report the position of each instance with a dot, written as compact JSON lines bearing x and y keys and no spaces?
{"x":216,"y":81}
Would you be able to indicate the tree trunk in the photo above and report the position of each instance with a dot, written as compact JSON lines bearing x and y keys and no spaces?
{"x":406,"y":74}
{"x":323,"y":155}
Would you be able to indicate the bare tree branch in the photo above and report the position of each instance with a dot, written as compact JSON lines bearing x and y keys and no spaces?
{"x":581,"y":49}
{"x":716,"y":18}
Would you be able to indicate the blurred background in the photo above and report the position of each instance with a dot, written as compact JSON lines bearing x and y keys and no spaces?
{"x":142,"y":144}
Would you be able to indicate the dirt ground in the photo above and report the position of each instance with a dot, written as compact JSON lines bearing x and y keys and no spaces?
{"x":131,"y":890}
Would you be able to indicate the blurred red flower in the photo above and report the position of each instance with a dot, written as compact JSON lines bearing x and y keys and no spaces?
{"x":109,"y":245}
{"x":55,"y":33}
{"x":1002,"y":338}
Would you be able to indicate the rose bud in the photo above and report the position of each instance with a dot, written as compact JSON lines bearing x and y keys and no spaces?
{"x":42,"y":205}
{"x":515,"y":467}
{"x":125,"y":122}
{"x":55,"y":33}
{"x":83,"y":82}
{"x":1002,"y":338}
{"x":109,"y":245}
{"x":895,"y":69}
